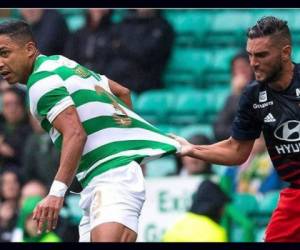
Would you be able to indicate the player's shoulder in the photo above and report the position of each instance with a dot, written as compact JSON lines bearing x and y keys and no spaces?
{"x":49,"y":66}
{"x":50,"y":63}
{"x":252,"y":89}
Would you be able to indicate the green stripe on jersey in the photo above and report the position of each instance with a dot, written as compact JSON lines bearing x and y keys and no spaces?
{"x":98,"y":123}
{"x":63,"y":72}
{"x":112,"y":148}
{"x":47,"y":101}
{"x":42,"y":58}
{"x":117,"y":162}
{"x":84,"y":96}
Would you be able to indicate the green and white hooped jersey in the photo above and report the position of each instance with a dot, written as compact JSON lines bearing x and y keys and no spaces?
{"x":116,"y":135}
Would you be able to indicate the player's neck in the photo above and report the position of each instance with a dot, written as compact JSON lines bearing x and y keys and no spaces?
{"x":285,"y":78}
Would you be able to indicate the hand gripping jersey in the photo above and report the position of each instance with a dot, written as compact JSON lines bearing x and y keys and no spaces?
{"x":116,"y":135}
{"x":277,"y":114}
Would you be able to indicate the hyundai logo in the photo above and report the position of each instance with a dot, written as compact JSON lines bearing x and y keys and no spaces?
{"x":288,"y":131}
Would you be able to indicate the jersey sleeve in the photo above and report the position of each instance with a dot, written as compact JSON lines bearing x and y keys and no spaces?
{"x":48,"y":96}
{"x":246,"y":125}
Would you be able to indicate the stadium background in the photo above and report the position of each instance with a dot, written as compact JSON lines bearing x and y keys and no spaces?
{"x":196,"y":85}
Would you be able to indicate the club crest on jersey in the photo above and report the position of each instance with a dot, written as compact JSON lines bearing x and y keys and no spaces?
{"x":82,"y":72}
{"x":262,"y":96}
{"x":120,"y":116}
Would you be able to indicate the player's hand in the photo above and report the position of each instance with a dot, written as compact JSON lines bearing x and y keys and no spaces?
{"x":186,"y":147}
{"x":46,"y":212}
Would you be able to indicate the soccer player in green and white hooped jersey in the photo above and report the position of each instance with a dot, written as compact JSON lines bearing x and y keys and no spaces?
{"x":102,"y":141}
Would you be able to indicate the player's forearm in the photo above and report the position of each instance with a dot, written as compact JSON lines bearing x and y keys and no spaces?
{"x":72,"y":147}
{"x":126,"y":98}
{"x":223,"y":153}
{"x":121,"y":92}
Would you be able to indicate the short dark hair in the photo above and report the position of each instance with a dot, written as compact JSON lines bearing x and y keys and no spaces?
{"x":270,"y":26}
{"x":20,"y":93}
{"x":17,"y":30}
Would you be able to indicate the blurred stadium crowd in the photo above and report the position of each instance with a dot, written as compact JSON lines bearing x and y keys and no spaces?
{"x":186,"y":69}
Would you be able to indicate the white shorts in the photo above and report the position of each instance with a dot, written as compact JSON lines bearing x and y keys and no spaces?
{"x":117,"y":195}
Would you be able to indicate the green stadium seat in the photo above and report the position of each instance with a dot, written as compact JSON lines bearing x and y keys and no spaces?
{"x":188,"y":108}
{"x":191,"y":130}
{"x":216,"y":98}
{"x":168,"y":128}
{"x":134,"y":97}
{"x":222,"y":58}
{"x":118,"y":15}
{"x":229,"y":28}
{"x":154,"y":105}
{"x":161,"y":167}
{"x":231,"y":21}
{"x":71,"y":12}
{"x":214,"y":79}
{"x":218,"y":71}
{"x":74,"y":211}
{"x":75,"y":22}
{"x":190,"y":26}
{"x":268,"y":202}
{"x":246,"y":203}
{"x":15,"y":13}
{"x":186,"y":66}
{"x":296,"y":54}
{"x":4,"y":19}
{"x":260,"y":234}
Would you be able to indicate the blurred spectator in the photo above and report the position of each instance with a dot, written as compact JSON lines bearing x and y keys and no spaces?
{"x":32,"y":188}
{"x":91,"y":45}
{"x":5,"y":13}
{"x":193,"y":166}
{"x":8,"y":219}
{"x":202,"y":222}
{"x":257,"y":174}
{"x":10,"y":185}
{"x":49,"y":29}
{"x":27,"y":228}
{"x":40,"y":158}
{"x":65,"y":230}
{"x":14,"y":127}
{"x":141,"y":47}
{"x":241,"y":75}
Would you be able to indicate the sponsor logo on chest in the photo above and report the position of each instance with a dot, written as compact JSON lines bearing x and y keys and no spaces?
{"x":262,"y":96}
{"x":288,"y":132}
{"x":262,"y":99}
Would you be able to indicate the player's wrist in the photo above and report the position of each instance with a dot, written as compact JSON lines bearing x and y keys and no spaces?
{"x":58,"y":189}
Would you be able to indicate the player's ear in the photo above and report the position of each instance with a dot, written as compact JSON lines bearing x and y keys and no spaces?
{"x":286,"y":53}
{"x":30,"y":48}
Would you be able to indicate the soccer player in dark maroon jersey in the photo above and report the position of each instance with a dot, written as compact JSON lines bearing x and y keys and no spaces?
{"x":270,"y":104}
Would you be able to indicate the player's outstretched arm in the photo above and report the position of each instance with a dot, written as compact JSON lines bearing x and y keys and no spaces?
{"x":74,"y":138}
{"x":228,"y":152}
{"x":120,"y":91}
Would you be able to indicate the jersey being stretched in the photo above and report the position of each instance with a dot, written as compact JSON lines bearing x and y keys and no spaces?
{"x":116,"y":135}
{"x":277,"y":115}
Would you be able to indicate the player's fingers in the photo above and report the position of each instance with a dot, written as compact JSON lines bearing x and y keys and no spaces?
{"x":50,"y":219}
{"x":42,"y":219}
{"x":172,"y":135}
{"x":36,"y":213}
{"x":55,"y":218}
